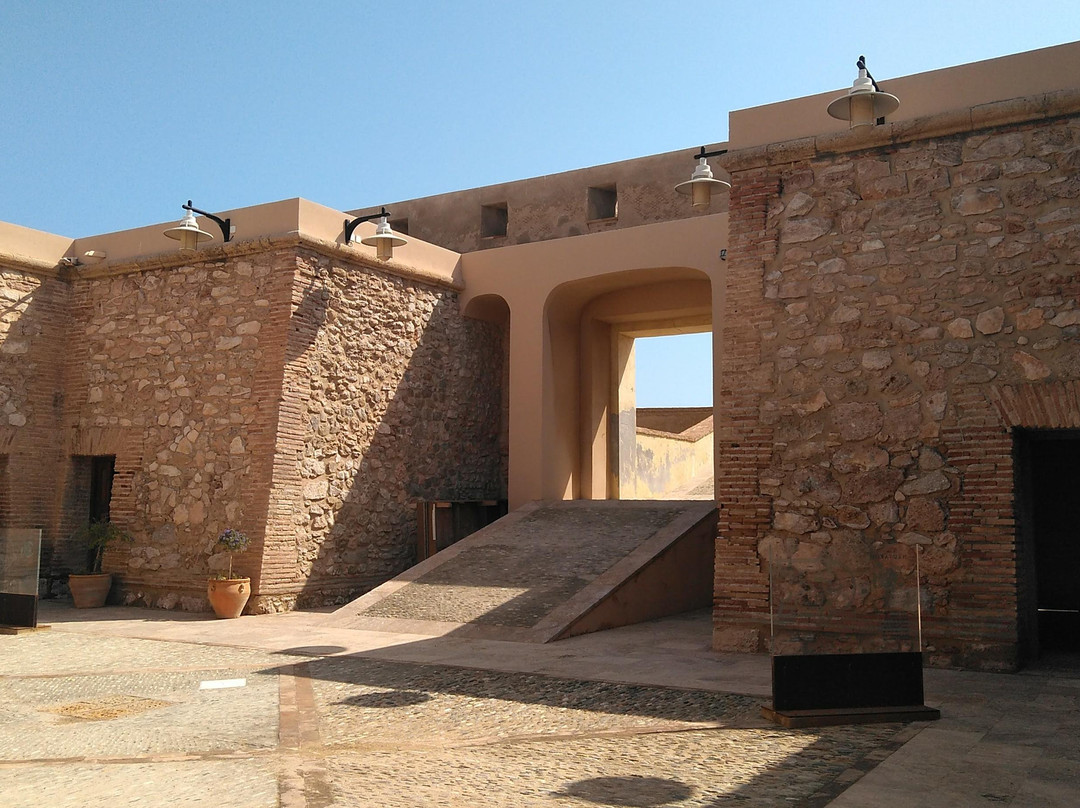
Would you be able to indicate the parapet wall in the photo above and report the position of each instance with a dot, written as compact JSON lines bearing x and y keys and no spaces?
{"x":572,"y":203}
{"x":674,"y":420}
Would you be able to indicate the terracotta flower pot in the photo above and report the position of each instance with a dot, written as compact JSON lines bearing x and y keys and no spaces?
{"x":228,"y":596}
{"x":90,"y":591}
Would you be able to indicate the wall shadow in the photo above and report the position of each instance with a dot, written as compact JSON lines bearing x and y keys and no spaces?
{"x":399,"y":401}
{"x":645,"y":701}
{"x":827,"y":760}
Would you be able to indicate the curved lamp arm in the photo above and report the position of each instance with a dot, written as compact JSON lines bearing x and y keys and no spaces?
{"x":351,"y":224}
{"x":224,"y":224}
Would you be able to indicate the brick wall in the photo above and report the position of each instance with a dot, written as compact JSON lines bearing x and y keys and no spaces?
{"x":32,"y":344}
{"x":896,"y":310}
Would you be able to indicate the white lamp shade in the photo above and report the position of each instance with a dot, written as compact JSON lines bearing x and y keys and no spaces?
{"x":702,"y":185}
{"x":863,"y":105}
{"x":384,"y":240}
{"x":188,"y":232}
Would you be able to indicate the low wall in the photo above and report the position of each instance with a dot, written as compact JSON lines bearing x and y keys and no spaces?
{"x":674,"y":448}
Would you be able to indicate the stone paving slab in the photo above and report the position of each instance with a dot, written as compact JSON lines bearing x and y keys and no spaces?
{"x":1002,"y":740}
{"x":411,"y":720}
{"x":354,"y":731}
{"x":246,"y":783}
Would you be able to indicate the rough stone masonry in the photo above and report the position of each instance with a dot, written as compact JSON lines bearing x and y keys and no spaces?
{"x":896,"y":307}
{"x":281,"y":389}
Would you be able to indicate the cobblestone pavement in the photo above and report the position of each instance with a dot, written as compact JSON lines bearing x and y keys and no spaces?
{"x":90,"y":721}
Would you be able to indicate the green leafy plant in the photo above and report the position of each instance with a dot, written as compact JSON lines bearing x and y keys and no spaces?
{"x":97,"y":536}
{"x":234,"y":541}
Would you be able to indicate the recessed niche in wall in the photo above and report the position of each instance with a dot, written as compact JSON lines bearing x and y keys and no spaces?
{"x":493,"y":220}
{"x":399,"y":226}
{"x":603,"y":203}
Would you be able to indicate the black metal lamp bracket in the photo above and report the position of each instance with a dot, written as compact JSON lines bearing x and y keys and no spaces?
{"x":707,"y":154}
{"x":224,"y":224}
{"x":351,"y":224}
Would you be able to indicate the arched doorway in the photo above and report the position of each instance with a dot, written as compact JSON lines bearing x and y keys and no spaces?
{"x":593,"y":329}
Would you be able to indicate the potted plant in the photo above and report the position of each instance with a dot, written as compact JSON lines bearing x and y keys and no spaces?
{"x":90,"y":590}
{"x":229,"y":595}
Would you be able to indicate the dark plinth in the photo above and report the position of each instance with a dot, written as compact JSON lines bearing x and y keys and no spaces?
{"x":829,"y":689}
{"x":18,"y":611}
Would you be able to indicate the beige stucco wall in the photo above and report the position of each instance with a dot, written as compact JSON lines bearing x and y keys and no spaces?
{"x":667,"y":464}
{"x":31,"y":249}
{"x":547,"y":286}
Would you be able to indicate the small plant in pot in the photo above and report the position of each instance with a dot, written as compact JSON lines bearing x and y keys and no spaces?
{"x":90,"y":590}
{"x":229,"y":595}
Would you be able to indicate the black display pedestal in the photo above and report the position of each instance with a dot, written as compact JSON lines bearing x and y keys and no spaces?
{"x":818,"y":690}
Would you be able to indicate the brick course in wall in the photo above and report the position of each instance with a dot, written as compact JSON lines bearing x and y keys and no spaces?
{"x":32,"y":347}
{"x":898,"y":310}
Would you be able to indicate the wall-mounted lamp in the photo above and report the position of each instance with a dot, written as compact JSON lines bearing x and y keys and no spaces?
{"x":701,"y":185}
{"x":188,"y":232}
{"x":865,"y":104}
{"x":384,"y":239}
{"x":88,"y":257}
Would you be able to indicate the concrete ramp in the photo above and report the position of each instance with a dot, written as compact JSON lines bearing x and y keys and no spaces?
{"x":552,"y":570}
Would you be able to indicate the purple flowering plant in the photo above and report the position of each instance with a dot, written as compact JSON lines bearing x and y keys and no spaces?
{"x":234,"y":541}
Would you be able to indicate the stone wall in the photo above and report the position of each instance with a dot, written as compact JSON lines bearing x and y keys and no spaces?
{"x":304,"y":400}
{"x":175,"y":372}
{"x":390,"y":396}
{"x":891,"y":313}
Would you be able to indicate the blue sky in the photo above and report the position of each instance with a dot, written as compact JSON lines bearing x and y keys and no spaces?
{"x":115,"y":113}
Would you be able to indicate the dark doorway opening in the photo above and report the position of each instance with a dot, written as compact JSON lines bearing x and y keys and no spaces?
{"x":101,"y":479}
{"x":1048,"y":549}
{"x":87,"y":495}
